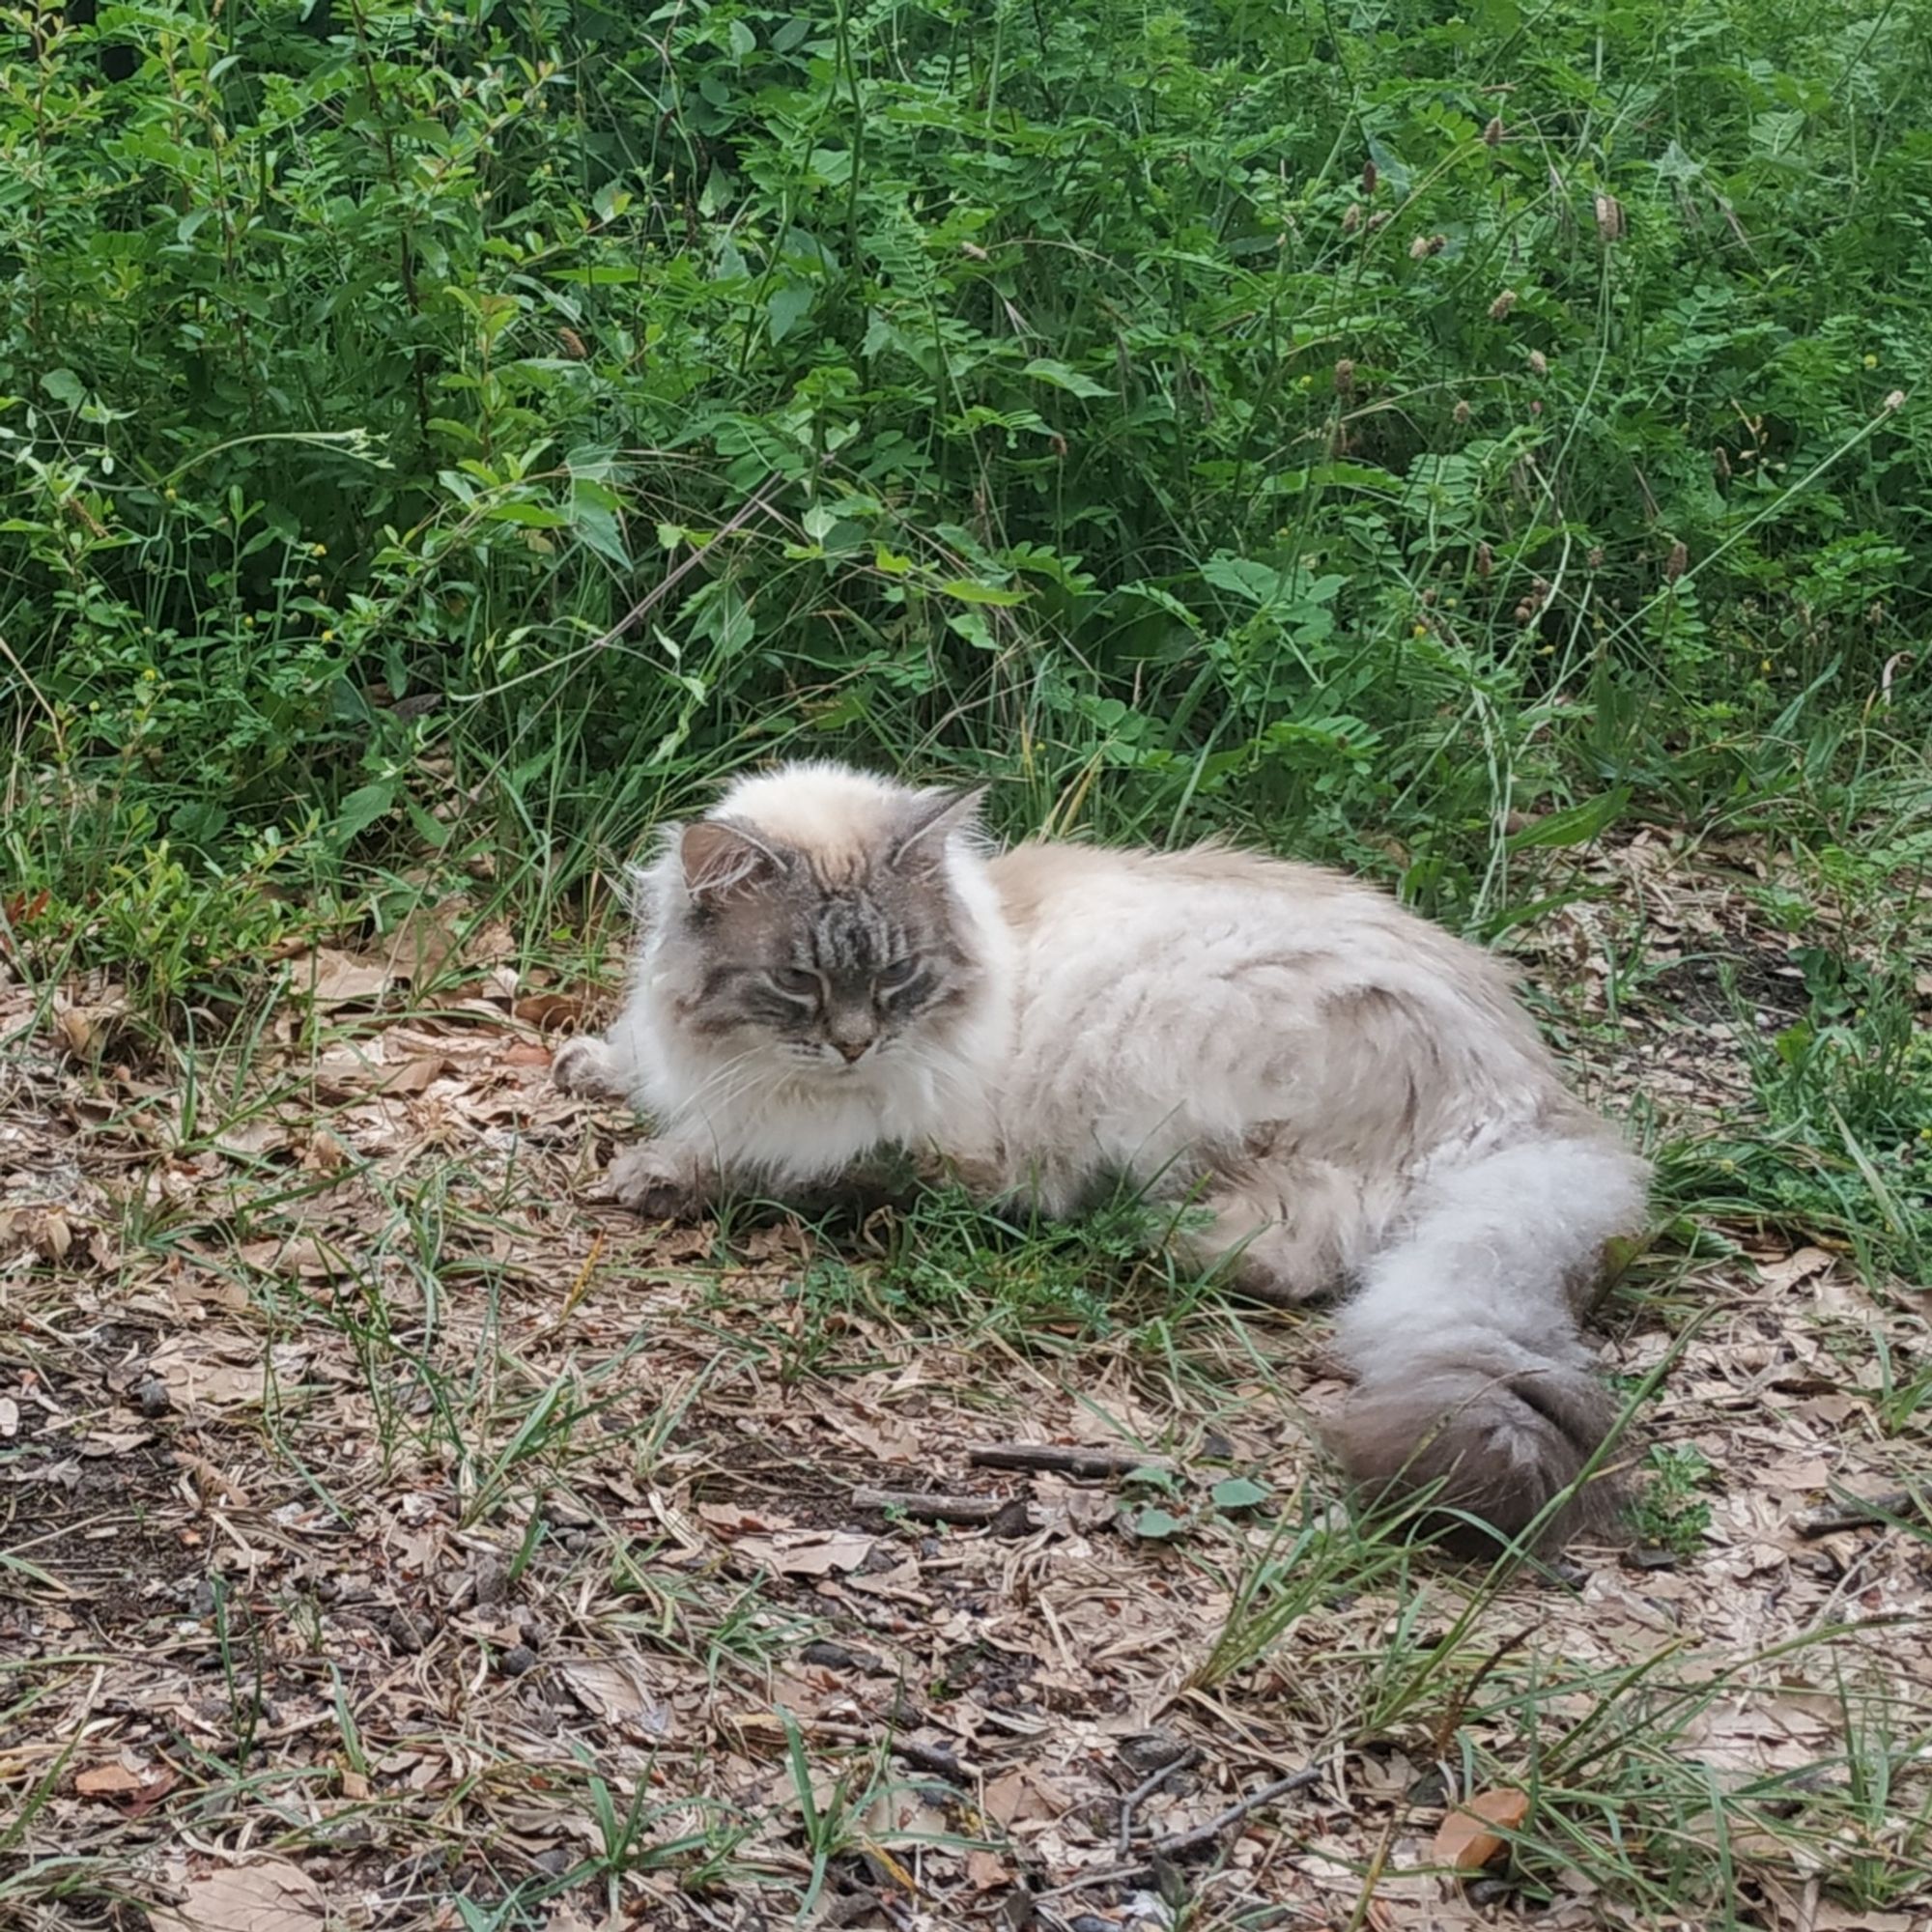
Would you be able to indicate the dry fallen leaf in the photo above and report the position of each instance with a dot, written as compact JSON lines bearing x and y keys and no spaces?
{"x":261,"y":1134}
{"x":1465,"y":1841}
{"x":548,"y":1009}
{"x":615,"y":1691}
{"x":807,"y":1552}
{"x":221,"y":1371}
{"x":413,"y":1076}
{"x":1021,"y":1797}
{"x":985,"y":1870}
{"x":426,"y":942}
{"x":732,"y":1519}
{"x":1794,"y":1268}
{"x":333,"y":978}
{"x":107,"y":1780}
{"x":886,"y":1438}
{"x":44,"y":1229}
{"x":269,"y":1897}
{"x":84,"y":1031}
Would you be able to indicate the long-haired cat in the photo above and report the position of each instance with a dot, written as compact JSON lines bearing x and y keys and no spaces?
{"x":831,"y":963}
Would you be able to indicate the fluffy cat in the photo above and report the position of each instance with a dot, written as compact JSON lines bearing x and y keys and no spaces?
{"x":830,"y":963}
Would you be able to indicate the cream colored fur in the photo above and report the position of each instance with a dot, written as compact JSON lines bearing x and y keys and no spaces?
{"x":1351,"y":1096}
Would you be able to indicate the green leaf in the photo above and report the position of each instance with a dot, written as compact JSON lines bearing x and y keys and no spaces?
{"x":1042,"y":369}
{"x":531,"y":516}
{"x":787,"y":309}
{"x":64,"y":386}
{"x":1238,"y":1492}
{"x":363,"y":806}
{"x":1255,"y":582}
{"x":433,"y":832}
{"x":593,"y":516}
{"x":1266,"y":583}
{"x":1154,"y":1524}
{"x":1574,"y":824}
{"x":969,"y":592}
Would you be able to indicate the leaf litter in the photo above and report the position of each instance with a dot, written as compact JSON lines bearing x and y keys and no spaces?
{"x":396,"y":1537}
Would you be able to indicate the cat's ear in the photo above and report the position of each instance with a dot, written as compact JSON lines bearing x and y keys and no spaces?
{"x":932,"y":822}
{"x":721,"y":860}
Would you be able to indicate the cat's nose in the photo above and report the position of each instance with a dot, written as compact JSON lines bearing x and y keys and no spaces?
{"x":852,"y":1049}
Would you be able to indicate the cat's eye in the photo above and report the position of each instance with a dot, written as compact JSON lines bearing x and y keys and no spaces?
{"x":889,"y":979}
{"x":789,"y":979}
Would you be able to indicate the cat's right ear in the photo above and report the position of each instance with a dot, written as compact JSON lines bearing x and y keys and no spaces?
{"x":721,"y":861}
{"x":938,"y":815}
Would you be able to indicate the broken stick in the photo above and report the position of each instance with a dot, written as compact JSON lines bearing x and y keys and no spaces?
{"x":1860,"y":1511}
{"x":1177,"y":1842}
{"x":1070,"y":1460}
{"x":922,"y":1507}
{"x":1147,"y":1788}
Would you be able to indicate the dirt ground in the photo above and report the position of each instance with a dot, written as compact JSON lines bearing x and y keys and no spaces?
{"x":391,"y":1536}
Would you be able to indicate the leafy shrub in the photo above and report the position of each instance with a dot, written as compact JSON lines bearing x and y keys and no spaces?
{"x":1367,"y":425}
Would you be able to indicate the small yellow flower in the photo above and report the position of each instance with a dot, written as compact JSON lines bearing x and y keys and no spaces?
{"x":318,"y":549}
{"x":248,"y":623}
{"x":1871,"y":361}
{"x":328,"y":637}
{"x":1764,"y":666}
{"x":1421,"y":631}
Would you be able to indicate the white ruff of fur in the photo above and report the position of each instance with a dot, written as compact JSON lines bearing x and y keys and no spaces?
{"x":759,"y":1114}
{"x":1351,"y":1095}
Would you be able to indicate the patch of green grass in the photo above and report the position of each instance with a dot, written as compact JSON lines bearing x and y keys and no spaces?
{"x":1672,"y":1511}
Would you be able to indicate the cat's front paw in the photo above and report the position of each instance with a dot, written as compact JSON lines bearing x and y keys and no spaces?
{"x":585,"y":1068}
{"x":659,"y":1183}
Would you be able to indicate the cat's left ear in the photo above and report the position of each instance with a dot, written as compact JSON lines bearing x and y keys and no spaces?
{"x":934,"y":819}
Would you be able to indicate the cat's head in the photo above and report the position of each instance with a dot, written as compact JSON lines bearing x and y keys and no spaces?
{"x":817,"y":912}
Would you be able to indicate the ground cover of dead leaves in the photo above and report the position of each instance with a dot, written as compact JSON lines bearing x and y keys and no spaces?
{"x":393,"y":1531}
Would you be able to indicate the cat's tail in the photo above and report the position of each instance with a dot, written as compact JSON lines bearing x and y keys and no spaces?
{"x":1473,"y":1381}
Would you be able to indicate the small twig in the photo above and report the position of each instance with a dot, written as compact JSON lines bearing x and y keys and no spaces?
{"x":1860,"y":1511}
{"x":923,"y":1507}
{"x":935,"y":1758}
{"x":699,"y":554}
{"x":1147,"y":1788}
{"x":1178,"y":1842}
{"x":1070,"y":1461}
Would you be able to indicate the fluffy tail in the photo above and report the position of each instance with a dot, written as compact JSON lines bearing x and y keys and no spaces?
{"x":1473,"y":1382}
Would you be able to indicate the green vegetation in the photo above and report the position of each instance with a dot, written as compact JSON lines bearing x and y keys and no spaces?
{"x":1484,"y":447}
